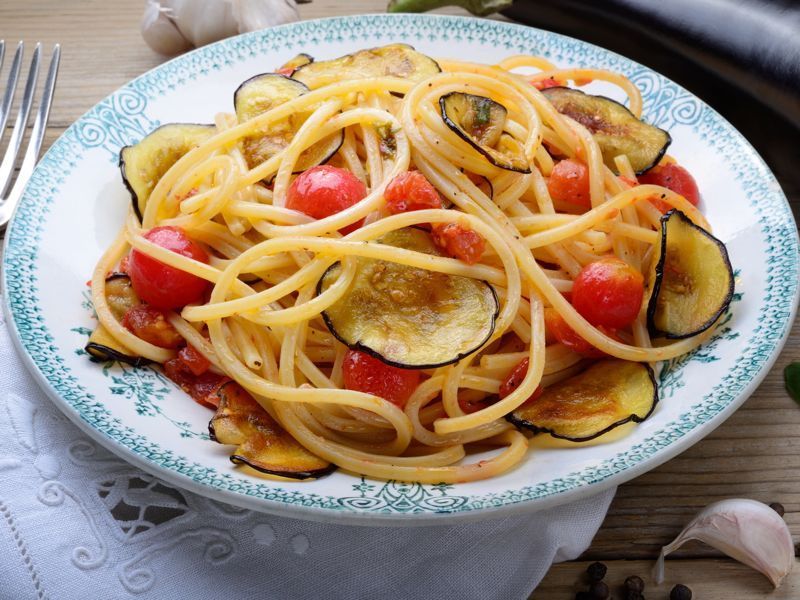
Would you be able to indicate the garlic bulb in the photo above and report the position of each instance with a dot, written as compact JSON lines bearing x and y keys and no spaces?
{"x":173,"y":26}
{"x":748,"y":531}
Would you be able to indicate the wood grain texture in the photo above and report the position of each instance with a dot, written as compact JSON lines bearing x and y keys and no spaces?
{"x":755,"y":454}
{"x":708,"y":579}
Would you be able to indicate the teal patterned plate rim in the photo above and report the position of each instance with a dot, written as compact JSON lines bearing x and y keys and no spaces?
{"x":75,"y":202}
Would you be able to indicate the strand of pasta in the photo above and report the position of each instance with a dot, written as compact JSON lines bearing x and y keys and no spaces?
{"x":135,"y":345}
{"x":267,"y":334}
{"x":527,"y":263}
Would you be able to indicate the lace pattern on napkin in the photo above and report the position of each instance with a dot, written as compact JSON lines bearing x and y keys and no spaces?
{"x":76,"y":522}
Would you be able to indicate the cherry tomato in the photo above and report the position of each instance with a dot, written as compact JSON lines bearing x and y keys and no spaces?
{"x":411,"y":191}
{"x":569,"y":182}
{"x":149,"y":324}
{"x":608,"y":292}
{"x":363,"y":373}
{"x":470,"y":405}
{"x":195,"y":362}
{"x":543,"y":84}
{"x":673,"y":177}
{"x":459,"y":241}
{"x":202,"y":388}
{"x":163,"y":286}
{"x":514,"y":380}
{"x":561,"y":331}
{"x":323,"y":191}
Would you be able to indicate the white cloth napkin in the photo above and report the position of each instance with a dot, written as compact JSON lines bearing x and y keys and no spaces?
{"x":78,"y":523}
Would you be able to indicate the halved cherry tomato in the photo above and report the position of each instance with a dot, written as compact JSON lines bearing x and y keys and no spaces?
{"x":325,"y":190}
{"x":411,"y":191}
{"x":363,"y":373}
{"x":195,"y":362}
{"x":569,"y":182}
{"x":673,"y":177}
{"x":514,"y":380}
{"x":543,"y":84}
{"x":561,"y":331}
{"x":459,"y":241}
{"x":608,"y":292}
{"x":163,"y":286}
{"x":469,"y":405}
{"x":149,"y":323}
{"x":202,"y":388}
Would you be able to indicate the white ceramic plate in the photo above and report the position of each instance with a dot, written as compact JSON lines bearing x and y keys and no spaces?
{"x":76,"y":202}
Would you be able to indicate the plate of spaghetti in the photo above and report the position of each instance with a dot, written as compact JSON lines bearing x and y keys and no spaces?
{"x":400,"y":269}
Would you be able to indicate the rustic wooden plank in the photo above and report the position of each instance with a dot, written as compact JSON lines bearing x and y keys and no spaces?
{"x":708,"y":579}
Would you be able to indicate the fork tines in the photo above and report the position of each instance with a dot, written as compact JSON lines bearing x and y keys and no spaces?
{"x":9,"y":200}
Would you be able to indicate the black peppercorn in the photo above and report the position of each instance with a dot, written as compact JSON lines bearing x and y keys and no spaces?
{"x":631,"y":595}
{"x":680,"y":592}
{"x":634,"y":583}
{"x":778,"y":508}
{"x":596,"y":571}
{"x":599,"y":590}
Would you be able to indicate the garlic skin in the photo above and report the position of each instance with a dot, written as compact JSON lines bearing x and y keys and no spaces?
{"x":173,"y":26}
{"x":160,"y":32}
{"x":746,"y":530}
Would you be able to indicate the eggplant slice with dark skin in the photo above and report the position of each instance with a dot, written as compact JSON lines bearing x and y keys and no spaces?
{"x":261,"y":443}
{"x":608,"y":394}
{"x":263,"y":92}
{"x":615,"y":128}
{"x":296,"y":62}
{"x":408,"y":317}
{"x":102,"y":347}
{"x":144,"y":163}
{"x":394,"y":60}
{"x":480,"y":121}
{"x":691,"y":283}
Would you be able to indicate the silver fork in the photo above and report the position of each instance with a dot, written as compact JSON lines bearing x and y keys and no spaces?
{"x":10,"y":199}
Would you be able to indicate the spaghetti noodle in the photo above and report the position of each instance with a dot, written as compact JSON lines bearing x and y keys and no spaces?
{"x":265,"y":322}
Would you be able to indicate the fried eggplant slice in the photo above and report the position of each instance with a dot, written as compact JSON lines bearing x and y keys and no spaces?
{"x":295,"y":63}
{"x":261,"y":443}
{"x":394,"y":60}
{"x":387,"y":140}
{"x":691,"y":282}
{"x":144,"y":163}
{"x":608,"y":394}
{"x":120,"y":294}
{"x":480,"y":121}
{"x":263,"y":92}
{"x":408,"y":317}
{"x":102,"y":346}
{"x":615,"y":128}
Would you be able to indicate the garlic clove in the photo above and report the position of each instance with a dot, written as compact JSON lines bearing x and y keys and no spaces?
{"x":173,"y":26}
{"x":160,"y":32}
{"x":204,"y":21}
{"x":748,"y":531}
{"x":252,"y":15}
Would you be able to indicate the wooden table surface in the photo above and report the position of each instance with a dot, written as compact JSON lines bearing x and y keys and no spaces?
{"x":753,"y":455}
